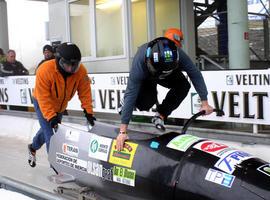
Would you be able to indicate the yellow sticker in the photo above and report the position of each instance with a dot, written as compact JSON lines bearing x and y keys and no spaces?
{"x":124,"y":157}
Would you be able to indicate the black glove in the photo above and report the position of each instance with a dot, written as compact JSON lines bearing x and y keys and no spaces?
{"x":90,"y":118}
{"x":55,"y":121}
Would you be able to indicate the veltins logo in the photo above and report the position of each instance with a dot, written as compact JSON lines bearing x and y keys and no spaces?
{"x":113,"y":81}
{"x":229,"y":79}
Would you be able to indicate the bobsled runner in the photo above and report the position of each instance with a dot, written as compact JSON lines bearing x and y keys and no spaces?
{"x":172,"y":166}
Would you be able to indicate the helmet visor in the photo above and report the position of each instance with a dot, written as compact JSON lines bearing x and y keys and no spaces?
{"x":69,"y":66}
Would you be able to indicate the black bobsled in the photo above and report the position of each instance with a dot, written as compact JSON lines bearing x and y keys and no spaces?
{"x":172,"y":166}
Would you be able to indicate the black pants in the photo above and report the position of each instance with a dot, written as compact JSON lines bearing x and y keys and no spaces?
{"x":178,"y":85}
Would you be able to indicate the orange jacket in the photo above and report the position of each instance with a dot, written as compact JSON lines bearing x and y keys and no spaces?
{"x":53,"y":92}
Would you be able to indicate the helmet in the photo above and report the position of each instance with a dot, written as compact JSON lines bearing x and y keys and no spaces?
{"x":68,"y":57}
{"x":161,"y":57}
{"x":175,"y":35}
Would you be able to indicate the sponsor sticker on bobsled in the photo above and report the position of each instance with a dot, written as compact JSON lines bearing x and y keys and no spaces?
{"x":70,"y":150}
{"x":210,"y":147}
{"x":97,"y":169}
{"x":182,"y":142}
{"x":124,"y":157}
{"x":220,"y":178}
{"x":99,"y":147}
{"x":72,"y":135}
{"x":230,"y":159}
{"x":71,"y":162}
{"x":265,"y":169}
{"x":124,"y":176}
{"x":154,"y":145}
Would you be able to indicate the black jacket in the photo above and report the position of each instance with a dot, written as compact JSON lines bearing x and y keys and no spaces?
{"x":13,"y":69}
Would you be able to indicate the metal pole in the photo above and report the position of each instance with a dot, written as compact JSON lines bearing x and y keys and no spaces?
{"x":151,"y":19}
{"x":238,"y":34}
{"x":3,"y":26}
{"x":188,"y":28}
{"x":266,"y":38}
{"x":255,"y":128}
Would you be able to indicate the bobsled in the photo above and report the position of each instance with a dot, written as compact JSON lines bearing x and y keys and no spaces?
{"x":172,"y":166}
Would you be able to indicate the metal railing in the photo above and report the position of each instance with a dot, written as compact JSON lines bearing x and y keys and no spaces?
{"x":209,"y":42}
{"x":202,"y":59}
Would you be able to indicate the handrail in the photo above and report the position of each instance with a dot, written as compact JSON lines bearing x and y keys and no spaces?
{"x":225,"y":12}
{"x":255,"y":54}
{"x":211,"y":61}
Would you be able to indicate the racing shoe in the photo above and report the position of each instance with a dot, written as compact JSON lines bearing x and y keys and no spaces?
{"x":158,"y":122}
{"x":32,"y":156}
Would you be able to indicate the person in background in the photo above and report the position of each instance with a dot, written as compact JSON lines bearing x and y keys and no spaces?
{"x":48,"y":53}
{"x":2,"y":59}
{"x":2,"y":56}
{"x":57,"y":81}
{"x":176,"y":35}
{"x":12,"y":67}
{"x":161,"y":61}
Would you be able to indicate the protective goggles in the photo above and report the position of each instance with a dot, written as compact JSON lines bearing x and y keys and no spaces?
{"x":69,"y":66}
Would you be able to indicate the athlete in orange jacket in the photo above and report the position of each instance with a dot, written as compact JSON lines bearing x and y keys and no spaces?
{"x":56,"y":83}
{"x":53,"y":91}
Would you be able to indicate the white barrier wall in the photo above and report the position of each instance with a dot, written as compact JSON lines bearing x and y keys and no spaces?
{"x":243,"y":95}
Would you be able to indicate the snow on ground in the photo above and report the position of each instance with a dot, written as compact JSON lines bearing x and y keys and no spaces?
{"x":9,"y":195}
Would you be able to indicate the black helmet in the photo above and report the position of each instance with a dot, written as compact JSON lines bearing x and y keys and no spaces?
{"x":161,"y":57}
{"x":68,"y":54}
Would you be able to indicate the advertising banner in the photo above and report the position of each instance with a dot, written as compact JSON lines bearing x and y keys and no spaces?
{"x":242,"y":94}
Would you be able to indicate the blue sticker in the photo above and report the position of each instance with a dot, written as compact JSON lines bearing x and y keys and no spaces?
{"x":148,"y":52}
{"x":154,"y":145}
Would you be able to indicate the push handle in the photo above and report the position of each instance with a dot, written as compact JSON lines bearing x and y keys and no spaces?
{"x":194,"y":117}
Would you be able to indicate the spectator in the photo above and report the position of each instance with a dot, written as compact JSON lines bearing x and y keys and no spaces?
{"x":176,"y":35}
{"x":12,"y":67}
{"x":48,"y":53}
{"x":2,"y":56}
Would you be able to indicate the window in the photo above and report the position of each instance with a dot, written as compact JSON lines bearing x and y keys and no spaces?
{"x":80,"y":32}
{"x":109,"y":28}
{"x":139,"y":24}
{"x":167,"y":15}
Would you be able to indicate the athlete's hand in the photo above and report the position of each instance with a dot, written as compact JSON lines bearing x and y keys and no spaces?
{"x":54,"y":122}
{"x":90,"y":118}
{"x":206,"y":107}
{"x":120,"y":140}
